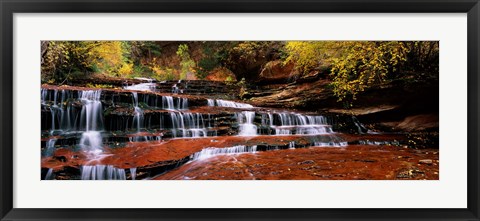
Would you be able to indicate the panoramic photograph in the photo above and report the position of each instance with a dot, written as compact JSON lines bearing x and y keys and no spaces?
{"x":239,"y":110}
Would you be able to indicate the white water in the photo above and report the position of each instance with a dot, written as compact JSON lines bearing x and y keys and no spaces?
{"x":210,"y":102}
{"x":294,"y":123}
{"x":138,"y":113}
{"x":359,"y":125}
{"x":92,"y":118}
{"x":50,"y":147}
{"x":142,"y":87}
{"x":60,"y":115}
{"x":149,"y":86}
{"x":213,"y":151}
{"x":182,"y":103}
{"x":330,"y":144}
{"x":49,"y":175}
{"x":246,"y":126}
{"x":144,"y":138}
{"x":44,"y":93}
{"x":91,"y":142}
{"x":92,"y":112}
{"x":176,"y":90}
{"x":102,"y":172}
{"x":188,"y":124}
{"x":167,"y":103}
{"x":368,"y":142}
{"x":225,"y":103}
{"x":133,"y":173}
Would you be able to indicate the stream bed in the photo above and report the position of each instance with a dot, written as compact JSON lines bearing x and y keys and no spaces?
{"x":194,"y":130}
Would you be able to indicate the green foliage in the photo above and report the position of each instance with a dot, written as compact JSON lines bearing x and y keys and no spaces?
{"x":163,"y":74}
{"x":207,"y":63}
{"x":187,"y":64}
{"x":243,"y":88}
{"x":247,"y":58}
{"x":354,"y":65}
{"x":103,"y":86}
{"x":364,"y":64}
{"x":61,"y":58}
{"x":308,"y":55}
{"x":229,"y":79}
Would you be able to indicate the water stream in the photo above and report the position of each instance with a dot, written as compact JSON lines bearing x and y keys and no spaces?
{"x":77,"y":118}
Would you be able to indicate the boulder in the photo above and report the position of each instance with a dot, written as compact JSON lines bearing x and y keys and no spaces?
{"x":277,"y":72}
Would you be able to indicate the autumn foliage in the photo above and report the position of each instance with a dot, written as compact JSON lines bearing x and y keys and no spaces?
{"x":351,"y":66}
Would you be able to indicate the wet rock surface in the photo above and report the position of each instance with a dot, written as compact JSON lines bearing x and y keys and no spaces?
{"x":355,"y":162}
{"x":202,"y":130}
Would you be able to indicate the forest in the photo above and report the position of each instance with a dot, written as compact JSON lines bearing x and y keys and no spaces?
{"x":239,"y":110}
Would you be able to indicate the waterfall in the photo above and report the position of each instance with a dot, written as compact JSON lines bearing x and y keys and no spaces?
{"x":133,"y":173}
{"x":246,"y":127}
{"x":149,"y":86}
{"x":74,"y":118}
{"x":49,"y":175}
{"x":368,"y":142}
{"x":189,"y":124}
{"x":50,"y":147}
{"x":330,"y":144}
{"x":53,"y":110}
{"x":62,"y":114}
{"x":359,"y":125}
{"x":182,"y":103}
{"x":296,"y":124}
{"x":224,"y":103}
{"x":167,"y":103}
{"x":43,"y":93}
{"x":102,"y":172}
{"x":176,"y":90}
{"x":213,"y":151}
{"x":138,"y":118}
{"x":92,"y":119}
{"x":210,"y":102}
{"x":144,"y":138}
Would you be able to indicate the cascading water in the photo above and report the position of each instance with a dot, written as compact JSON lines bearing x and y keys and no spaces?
{"x":92,"y":120}
{"x":210,"y":102}
{"x":49,"y":175}
{"x":102,"y":172}
{"x":133,"y":173}
{"x":74,"y":116}
{"x":291,"y":145}
{"x":149,"y":86}
{"x":167,"y":103}
{"x":225,"y":103}
{"x":50,"y":147}
{"x":138,"y":112}
{"x":296,"y":124}
{"x":212,"y":151}
{"x":144,"y":138}
{"x":360,"y":127}
{"x":182,"y":103}
{"x":43,"y":95}
{"x":246,"y":126}
{"x":188,"y":125}
{"x":176,"y":90}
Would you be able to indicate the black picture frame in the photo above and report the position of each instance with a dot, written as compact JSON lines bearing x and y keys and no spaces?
{"x":9,"y":7}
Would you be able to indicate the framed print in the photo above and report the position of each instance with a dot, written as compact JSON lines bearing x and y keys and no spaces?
{"x":239,"y":110}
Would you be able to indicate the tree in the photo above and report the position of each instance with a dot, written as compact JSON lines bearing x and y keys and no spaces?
{"x":63,"y":59}
{"x":354,"y":65}
{"x":308,"y":55}
{"x":187,"y":64}
{"x":363,"y":64}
